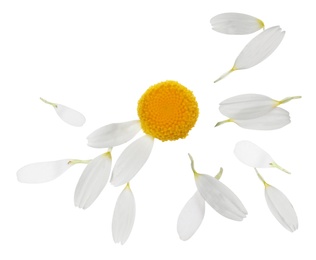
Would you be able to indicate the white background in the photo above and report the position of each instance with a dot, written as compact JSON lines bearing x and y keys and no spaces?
{"x":99,"y":57}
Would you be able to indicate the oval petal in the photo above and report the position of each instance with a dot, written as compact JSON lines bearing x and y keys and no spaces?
{"x":191,"y":217}
{"x":113,"y":134}
{"x":236,"y":23}
{"x":93,"y":180}
{"x":43,"y":171}
{"x":70,"y":115}
{"x":132,"y":160}
{"x":281,"y":208}
{"x":123,"y":216}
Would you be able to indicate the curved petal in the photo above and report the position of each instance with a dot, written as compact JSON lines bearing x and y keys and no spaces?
{"x":252,"y":155}
{"x":123,"y":216}
{"x":275,"y":119}
{"x":93,"y":180}
{"x":191,"y":217}
{"x":281,"y":208}
{"x":220,"y":197}
{"x":259,"y":48}
{"x":113,"y":134}
{"x":247,"y":106}
{"x":70,"y":115}
{"x":43,"y":171}
{"x":236,"y":23}
{"x":132,"y":160}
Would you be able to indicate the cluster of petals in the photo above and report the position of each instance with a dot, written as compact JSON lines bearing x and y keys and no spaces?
{"x":255,"y":111}
{"x":258,"y":49}
{"x":217,"y":195}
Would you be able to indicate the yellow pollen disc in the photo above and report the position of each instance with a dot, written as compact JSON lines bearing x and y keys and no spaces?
{"x":167,"y":111}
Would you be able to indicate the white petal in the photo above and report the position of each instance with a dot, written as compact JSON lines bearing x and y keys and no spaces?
{"x":236,"y":23}
{"x":281,"y":208}
{"x":43,"y":171}
{"x":93,"y":180}
{"x":191,"y":217}
{"x":220,"y":197}
{"x":259,"y":48}
{"x":70,"y":115}
{"x":247,"y":106}
{"x":252,"y":155}
{"x":123,"y":216}
{"x":113,"y":134}
{"x":275,"y":119}
{"x":132,"y":160}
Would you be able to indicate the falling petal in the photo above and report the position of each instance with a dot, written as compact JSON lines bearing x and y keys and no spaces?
{"x":280,"y":207}
{"x":132,"y":160}
{"x":219,"y":196}
{"x":257,"y":50}
{"x":253,"y":156}
{"x":93,"y":180}
{"x":191,"y":216}
{"x":236,"y":23}
{"x":43,"y":171}
{"x":113,"y":134}
{"x":123,"y":216}
{"x":67,"y":114}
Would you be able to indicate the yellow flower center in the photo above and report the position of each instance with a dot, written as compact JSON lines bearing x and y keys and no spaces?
{"x":167,"y":111}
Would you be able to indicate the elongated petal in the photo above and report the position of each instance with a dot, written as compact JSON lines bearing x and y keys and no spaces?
{"x":191,"y":217}
{"x":70,"y":115}
{"x":43,"y":171}
{"x":281,"y":208}
{"x":275,"y":119}
{"x":247,"y":106}
{"x":259,"y":48}
{"x":132,"y":160}
{"x":123,"y":216}
{"x":236,"y":23}
{"x":220,"y":197}
{"x":93,"y":180}
{"x":113,"y":134}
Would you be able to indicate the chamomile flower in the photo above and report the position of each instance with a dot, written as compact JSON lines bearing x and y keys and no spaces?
{"x":68,"y":115}
{"x":280,"y":206}
{"x":236,"y":23}
{"x":167,"y":111}
{"x":257,"y":50}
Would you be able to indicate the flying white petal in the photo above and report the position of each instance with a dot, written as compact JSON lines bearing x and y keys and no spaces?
{"x":67,"y":114}
{"x":191,"y":216}
{"x":123,"y":216}
{"x":220,"y":197}
{"x":236,"y":23}
{"x":281,"y":208}
{"x":43,"y":171}
{"x":257,"y":50}
{"x":253,"y":156}
{"x":275,"y":119}
{"x":93,"y":180}
{"x":113,"y":134}
{"x":132,"y":160}
{"x":247,"y":106}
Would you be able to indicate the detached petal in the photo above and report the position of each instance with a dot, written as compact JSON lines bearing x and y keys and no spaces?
{"x":191,"y":217}
{"x":257,"y":50}
{"x":247,"y":106}
{"x":132,"y":160}
{"x":281,"y":208}
{"x":43,"y":171}
{"x":93,"y":180}
{"x":113,"y":134}
{"x":236,"y":23}
{"x":253,"y":156}
{"x":124,"y":216}
{"x":220,"y":197}
{"x":275,"y":119}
